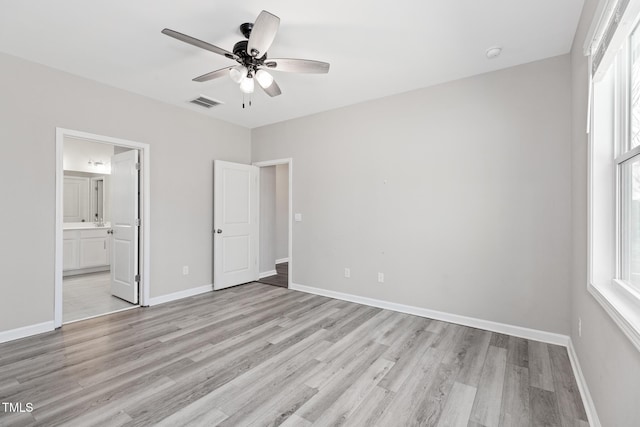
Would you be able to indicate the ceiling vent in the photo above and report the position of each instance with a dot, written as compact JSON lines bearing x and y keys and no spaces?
{"x":205,"y":102}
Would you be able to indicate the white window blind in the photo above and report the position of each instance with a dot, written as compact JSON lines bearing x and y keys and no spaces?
{"x":613,"y":22}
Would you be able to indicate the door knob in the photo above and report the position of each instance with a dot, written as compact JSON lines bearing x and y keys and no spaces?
{"x":218,"y":231}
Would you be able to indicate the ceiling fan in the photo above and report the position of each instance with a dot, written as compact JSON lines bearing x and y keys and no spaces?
{"x":251,"y":55}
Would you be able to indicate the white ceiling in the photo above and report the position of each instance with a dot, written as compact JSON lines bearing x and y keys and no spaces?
{"x":376,"y":47}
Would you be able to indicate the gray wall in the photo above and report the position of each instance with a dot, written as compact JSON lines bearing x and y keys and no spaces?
{"x":459,"y":193}
{"x":274,"y":215}
{"x":610,"y":363}
{"x":282,"y":211}
{"x":267,"y":218}
{"x":37,"y":99}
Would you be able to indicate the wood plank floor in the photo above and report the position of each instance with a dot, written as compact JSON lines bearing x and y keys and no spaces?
{"x":280,"y":279}
{"x":263,"y":355}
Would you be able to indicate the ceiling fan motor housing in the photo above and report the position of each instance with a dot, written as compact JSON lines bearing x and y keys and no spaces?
{"x":251,"y":62}
{"x":240,"y":48}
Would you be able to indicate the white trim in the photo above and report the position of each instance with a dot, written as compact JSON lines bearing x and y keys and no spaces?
{"x":285,"y":161}
{"x":587,"y":401}
{"x":26,"y":331}
{"x":267,"y":274}
{"x":180,"y":294}
{"x":59,"y":231}
{"x":290,"y":266}
{"x":272,"y":162}
{"x":282,"y":260}
{"x":628,"y":155}
{"x":145,"y":208}
{"x":71,"y":273}
{"x":503,"y":328}
{"x":620,"y":309}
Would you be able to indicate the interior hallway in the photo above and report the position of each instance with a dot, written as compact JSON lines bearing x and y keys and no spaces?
{"x":280,"y":279}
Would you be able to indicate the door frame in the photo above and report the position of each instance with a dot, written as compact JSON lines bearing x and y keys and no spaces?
{"x":285,"y":161}
{"x":145,"y":213}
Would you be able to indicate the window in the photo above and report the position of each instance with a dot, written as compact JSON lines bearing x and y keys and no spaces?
{"x":615,"y":181}
{"x":627,"y":162}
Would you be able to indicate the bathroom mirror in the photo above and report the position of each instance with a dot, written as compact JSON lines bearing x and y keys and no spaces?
{"x":85,"y":197}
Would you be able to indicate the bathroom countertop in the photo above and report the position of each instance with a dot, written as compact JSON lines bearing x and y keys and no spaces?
{"x":84,"y":226}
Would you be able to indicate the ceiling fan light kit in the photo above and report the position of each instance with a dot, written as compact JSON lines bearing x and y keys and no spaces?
{"x":251,"y":55}
{"x":265,"y":79}
{"x":247,"y":85}
{"x":238,"y":73}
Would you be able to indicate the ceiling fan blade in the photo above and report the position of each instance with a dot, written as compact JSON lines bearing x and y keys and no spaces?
{"x":297,"y":65}
{"x":199,"y":43}
{"x":213,"y":75}
{"x":263,"y":32}
{"x":273,"y":89}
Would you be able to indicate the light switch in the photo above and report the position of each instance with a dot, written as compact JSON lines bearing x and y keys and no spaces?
{"x":298,"y":217}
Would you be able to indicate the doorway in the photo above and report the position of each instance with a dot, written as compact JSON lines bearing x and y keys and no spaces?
{"x":102,"y":225}
{"x":276,"y":185}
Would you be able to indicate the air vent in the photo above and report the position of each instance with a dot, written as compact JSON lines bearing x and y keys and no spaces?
{"x":205,"y":102}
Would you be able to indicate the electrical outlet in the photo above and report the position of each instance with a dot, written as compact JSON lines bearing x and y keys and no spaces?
{"x":580,"y":327}
{"x":380,"y":277}
{"x":185,"y":270}
{"x":347,"y":272}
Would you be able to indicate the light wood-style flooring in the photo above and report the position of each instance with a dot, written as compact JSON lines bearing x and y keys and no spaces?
{"x":89,"y":295}
{"x":263,"y":355}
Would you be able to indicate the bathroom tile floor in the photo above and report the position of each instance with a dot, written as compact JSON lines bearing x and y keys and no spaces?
{"x":88,"y":295}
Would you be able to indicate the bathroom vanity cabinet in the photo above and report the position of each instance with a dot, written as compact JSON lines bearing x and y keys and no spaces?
{"x":86,"y":250}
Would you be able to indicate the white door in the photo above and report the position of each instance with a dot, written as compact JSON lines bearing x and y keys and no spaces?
{"x":124,"y":225}
{"x":235,"y":221}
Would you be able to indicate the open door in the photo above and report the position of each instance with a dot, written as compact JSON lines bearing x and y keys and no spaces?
{"x":124,"y":226}
{"x":235,"y":221}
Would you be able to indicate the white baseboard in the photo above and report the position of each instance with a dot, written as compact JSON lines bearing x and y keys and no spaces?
{"x":39,"y":328}
{"x":518,"y":331}
{"x":85,"y":271}
{"x":267,"y":274}
{"x":281,"y":260}
{"x":26,"y":331}
{"x":180,"y":294}
{"x":589,"y":407}
{"x":503,"y":328}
